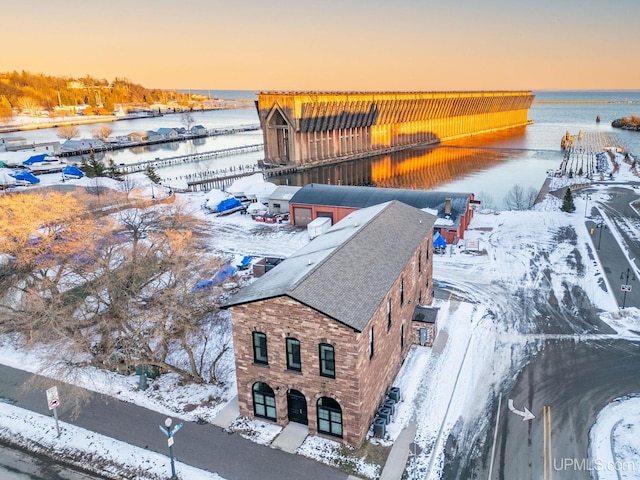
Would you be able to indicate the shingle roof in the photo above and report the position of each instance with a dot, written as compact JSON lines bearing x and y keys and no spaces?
{"x":362,"y":197}
{"x":346,"y":272}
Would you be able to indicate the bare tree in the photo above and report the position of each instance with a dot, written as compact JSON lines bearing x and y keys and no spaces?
{"x":486,"y":200}
{"x":118,"y":293}
{"x":127,"y":184}
{"x":28,"y":104}
{"x":519,"y":199}
{"x":101,"y":133}
{"x":187,"y":120}
{"x":68,"y":132}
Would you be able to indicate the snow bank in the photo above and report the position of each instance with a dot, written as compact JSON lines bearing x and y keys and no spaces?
{"x":614,"y":452}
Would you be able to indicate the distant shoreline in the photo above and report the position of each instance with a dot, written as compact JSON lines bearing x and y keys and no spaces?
{"x":631,"y":102}
{"x":46,"y":122}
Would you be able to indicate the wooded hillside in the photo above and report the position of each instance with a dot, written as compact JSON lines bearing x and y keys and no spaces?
{"x":32,"y":93}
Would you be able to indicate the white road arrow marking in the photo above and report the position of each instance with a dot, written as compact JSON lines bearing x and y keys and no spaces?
{"x":526,"y":415}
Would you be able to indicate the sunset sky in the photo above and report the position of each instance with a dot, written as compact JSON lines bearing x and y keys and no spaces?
{"x":391,"y":45}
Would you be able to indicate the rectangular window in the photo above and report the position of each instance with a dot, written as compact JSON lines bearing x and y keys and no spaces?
{"x":371,"y":343}
{"x":401,"y":291}
{"x":293,"y":355}
{"x":260,"y":348}
{"x":327,"y":361}
{"x":388,"y":313}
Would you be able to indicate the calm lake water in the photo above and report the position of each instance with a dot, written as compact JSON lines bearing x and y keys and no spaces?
{"x":488,"y":166}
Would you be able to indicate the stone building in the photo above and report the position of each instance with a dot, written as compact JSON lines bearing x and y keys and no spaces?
{"x":302,"y":128}
{"x":320,"y":338}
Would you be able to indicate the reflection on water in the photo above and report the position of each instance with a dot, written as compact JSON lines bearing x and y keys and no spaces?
{"x":428,"y":168}
{"x":488,"y":166}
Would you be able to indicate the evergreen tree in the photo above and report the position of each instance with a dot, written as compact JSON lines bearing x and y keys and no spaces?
{"x":93,"y":167}
{"x":113,"y":171}
{"x":567,"y":203}
{"x":151,"y":174}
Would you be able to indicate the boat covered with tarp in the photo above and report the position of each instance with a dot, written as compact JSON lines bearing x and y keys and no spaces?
{"x":71,"y":171}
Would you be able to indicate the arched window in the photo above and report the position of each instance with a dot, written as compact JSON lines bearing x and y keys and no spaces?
{"x":327,"y":361}
{"x":293,"y":354}
{"x":264,"y":401}
{"x":329,"y":417}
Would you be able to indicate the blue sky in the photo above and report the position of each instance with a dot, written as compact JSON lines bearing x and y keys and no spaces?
{"x":398,"y":45}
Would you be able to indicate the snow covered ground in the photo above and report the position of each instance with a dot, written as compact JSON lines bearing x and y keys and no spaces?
{"x":482,"y":319}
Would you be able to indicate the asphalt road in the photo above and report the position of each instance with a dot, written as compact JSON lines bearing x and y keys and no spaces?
{"x":16,"y":464}
{"x":579,"y":368}
{"x":575,"y":380}
{"x":203,"y":446}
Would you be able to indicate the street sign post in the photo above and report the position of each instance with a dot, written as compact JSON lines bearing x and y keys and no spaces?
{"x":626,"y":287}
{"x":53,"y":400}
{"x":170,"y":432}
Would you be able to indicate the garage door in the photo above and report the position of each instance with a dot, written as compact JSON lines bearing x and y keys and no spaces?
{"x":301,"y":216}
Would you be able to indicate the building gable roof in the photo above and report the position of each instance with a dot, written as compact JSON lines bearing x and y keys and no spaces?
{"x":362,"y":197}
{"x":347,"y":272}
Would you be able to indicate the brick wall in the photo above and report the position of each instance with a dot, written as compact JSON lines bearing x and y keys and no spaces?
{"x":283,"y":317}
{"x":361,"y":382}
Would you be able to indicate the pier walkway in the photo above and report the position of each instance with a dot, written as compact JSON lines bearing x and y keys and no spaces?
{"x":182,"y":159}
{"x":581,"y":152}
{"x":116,"y":145}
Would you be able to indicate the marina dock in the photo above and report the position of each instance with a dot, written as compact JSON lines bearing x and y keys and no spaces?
{"x":182,"y":159}
{"x":581,"y":151}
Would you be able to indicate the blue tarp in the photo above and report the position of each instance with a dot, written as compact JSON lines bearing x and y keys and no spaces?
{"x":71,"y":171}
{"x":36,"y":159}
{"x":203,"y":284}
{"x":439,"y":241}
{"x":226,"y":271}
{"x":244,"y":263}
{"x":25,"y":177}
{"x":228,"y":204}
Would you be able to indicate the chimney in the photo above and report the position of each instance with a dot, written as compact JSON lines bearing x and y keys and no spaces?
{"x":447,"y":206}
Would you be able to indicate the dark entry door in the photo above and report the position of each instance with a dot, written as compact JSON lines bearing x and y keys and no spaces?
{"x":297,"y":405}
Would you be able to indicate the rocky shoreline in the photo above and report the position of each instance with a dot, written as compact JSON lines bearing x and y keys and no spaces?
{"x":626,"y":123}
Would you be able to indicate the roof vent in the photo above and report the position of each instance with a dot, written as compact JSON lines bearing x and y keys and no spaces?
{"x":309,"y":262}
{"x":355,"y":224}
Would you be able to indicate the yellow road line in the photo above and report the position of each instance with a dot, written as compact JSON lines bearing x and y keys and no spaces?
{"x":550,"y":447}
{"x":544,"y":442}
{"x":547,"y":450}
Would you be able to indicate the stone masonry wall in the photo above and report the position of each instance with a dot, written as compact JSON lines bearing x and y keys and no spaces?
{"x":283,"y":317}
{"x":377,"y":373}
{"x":361,"y":382}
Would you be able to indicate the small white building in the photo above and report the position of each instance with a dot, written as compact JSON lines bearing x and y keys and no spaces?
{"x":169,"y":133}
{"x":279,"y":199}
{"x":12,"y":143}
{"x":83,"y":145}
{"x":198,"y":130}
